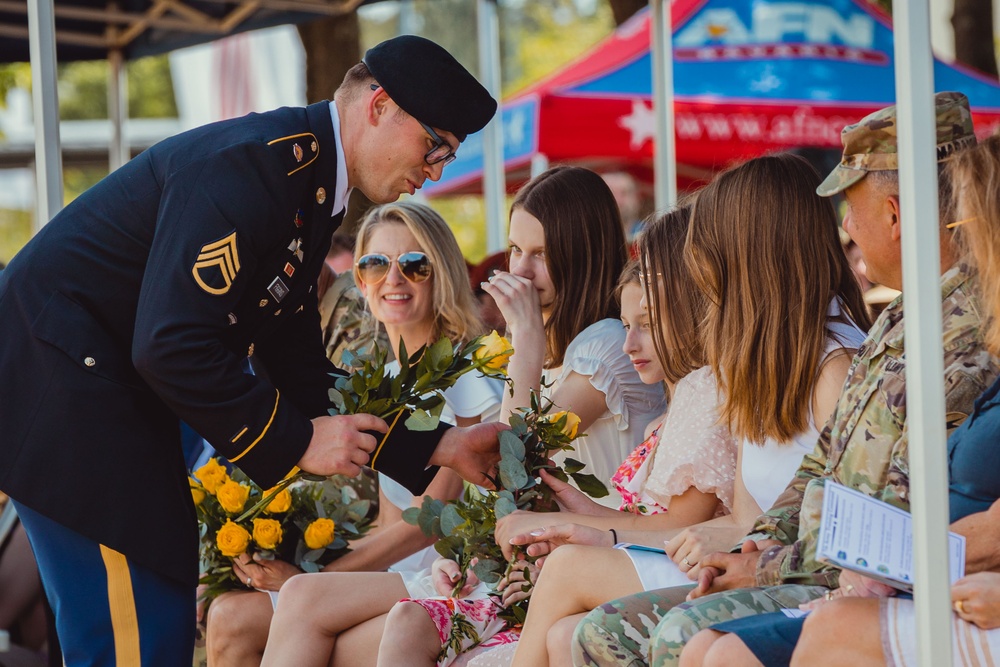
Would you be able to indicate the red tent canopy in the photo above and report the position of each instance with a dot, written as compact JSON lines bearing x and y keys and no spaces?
{"x":750,"y":76}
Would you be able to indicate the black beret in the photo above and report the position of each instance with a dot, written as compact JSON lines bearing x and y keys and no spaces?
{"x":429,"y":84}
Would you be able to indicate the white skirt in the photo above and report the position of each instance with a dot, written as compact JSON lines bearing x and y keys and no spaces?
{"x":971,"y":646}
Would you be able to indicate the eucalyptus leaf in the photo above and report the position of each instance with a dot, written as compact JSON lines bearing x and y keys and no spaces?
{"x":337,"y":400}
{"x":451,"y":519}
{"x":590,"y":485}
{"x":488,"y":571}
{"x":512,"y":474}
{"x":503,"y":507}
{"x":309,"y":566}
{"x":511,"y":445}
{"x":450,"y":547}
{"x":312,"y":556}
{"x":411,"y":515}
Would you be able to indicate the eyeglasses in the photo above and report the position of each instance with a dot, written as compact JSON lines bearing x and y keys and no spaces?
{"x":374,"y":267}
{"x":441,"y":151}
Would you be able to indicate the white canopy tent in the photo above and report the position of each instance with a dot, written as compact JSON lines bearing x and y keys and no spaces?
{"x":918,"y":193}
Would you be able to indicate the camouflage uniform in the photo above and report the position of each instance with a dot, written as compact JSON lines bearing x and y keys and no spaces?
{"x":863,"y":446}
{"x":347,"y":322}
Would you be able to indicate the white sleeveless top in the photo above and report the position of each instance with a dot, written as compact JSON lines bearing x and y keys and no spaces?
{"x":767,"y":469}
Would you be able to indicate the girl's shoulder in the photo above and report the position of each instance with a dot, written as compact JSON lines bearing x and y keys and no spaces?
{"x":600,"y":338}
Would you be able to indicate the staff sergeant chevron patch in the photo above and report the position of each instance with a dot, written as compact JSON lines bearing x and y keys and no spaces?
{"x":217,"y":265}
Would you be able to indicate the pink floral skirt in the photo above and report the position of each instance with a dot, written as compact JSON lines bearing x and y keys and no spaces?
{"x":475,"y":623}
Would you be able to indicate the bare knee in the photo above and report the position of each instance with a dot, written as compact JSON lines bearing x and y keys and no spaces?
{"x":409,"y":616}
{"x":559,"y":641}
{"x":728,"y":650}
{"x":236,"y":628}
{"x":818,"y":637}
{"x":695,"y":650}
{"x":412,"y":621}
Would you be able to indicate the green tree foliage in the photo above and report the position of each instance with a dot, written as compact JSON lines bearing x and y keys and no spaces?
{"x":83,"y":89}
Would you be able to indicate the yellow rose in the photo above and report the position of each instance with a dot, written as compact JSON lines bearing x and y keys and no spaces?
{"x":497,"y":349}
{"x":319,"y":533}
{"x":197,"y":493}
{"x":233,"y":496}
{"x":267,"y":533}
{"x":281,"y":503}
{"x":571,"y":425}
{"x":212,"y":475}
{"x":233,"y":539}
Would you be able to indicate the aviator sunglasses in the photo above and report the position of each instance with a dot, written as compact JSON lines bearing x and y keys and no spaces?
{"x":374,"y":267}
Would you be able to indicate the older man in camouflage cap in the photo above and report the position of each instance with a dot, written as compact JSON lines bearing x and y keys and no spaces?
{"x":863,"y":446}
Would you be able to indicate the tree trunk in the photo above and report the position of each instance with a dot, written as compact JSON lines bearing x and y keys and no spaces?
{"x":333,"y":46}
{"x":973,"y":24}
{"x":623,"y":10}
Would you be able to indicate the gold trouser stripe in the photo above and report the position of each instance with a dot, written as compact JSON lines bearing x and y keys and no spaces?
{"x":253,"y":444}
{"x":124,"y":619}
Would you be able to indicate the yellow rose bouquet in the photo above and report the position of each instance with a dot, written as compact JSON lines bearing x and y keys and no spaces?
{"x":465,"y":528}
{"x":416,"y":391}
{"x":308,"y":524}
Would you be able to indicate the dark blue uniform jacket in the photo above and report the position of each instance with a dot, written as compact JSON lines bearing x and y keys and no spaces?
{"x":134,"y":308}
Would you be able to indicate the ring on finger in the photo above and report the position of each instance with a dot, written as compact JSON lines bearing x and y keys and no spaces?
{"x":848,"y":589}
{"x":249,"y":582}
{"x":686,"y":563}
{"x":829,"y":595}
{"x":960,"y":606}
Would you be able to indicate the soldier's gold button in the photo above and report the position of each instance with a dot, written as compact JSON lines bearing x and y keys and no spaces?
{"x":263,"y":302}
{"x":314,"y":146}
{"x":89,"y":362}
{"x":277,"y":312}
{"x":250,"y":350}
{"x":321,"y":195}
{"x":297,"y":152}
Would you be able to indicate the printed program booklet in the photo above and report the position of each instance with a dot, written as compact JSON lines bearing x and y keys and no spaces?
{"x":873,"y":538}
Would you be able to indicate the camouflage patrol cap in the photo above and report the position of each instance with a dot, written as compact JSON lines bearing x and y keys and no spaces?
{"x":870,"y":145}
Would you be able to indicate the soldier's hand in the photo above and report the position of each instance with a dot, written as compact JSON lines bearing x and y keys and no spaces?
{"x":471,"y":451}
{"x":340,"y":446}
{"x":726,"y":571}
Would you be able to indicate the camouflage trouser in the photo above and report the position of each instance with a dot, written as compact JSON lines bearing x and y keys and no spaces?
{"x":617,"y":633}
{"x":652,"y":627}
{"x":688,"y":619}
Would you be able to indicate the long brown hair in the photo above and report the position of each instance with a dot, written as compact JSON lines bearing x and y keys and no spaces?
{"x":676,"y":305}
{"x":764,"y":248}
{"x":584,"y":250}
{"x":975,"y":177}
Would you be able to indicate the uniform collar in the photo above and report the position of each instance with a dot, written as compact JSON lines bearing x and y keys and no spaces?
{"x":341,"y":190}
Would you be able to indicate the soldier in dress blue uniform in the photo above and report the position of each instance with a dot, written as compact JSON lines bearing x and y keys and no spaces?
{"x":135,"y":307}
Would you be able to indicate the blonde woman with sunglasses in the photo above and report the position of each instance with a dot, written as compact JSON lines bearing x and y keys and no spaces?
{"x":411,"y":271}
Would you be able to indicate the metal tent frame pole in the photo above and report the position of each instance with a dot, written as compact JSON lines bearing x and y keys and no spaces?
{"x":664,"y":148}
{"x":45,"y":104}
{"x":494,"y":180}
{"x":119,"y":151}
{"x":925,"y":411}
